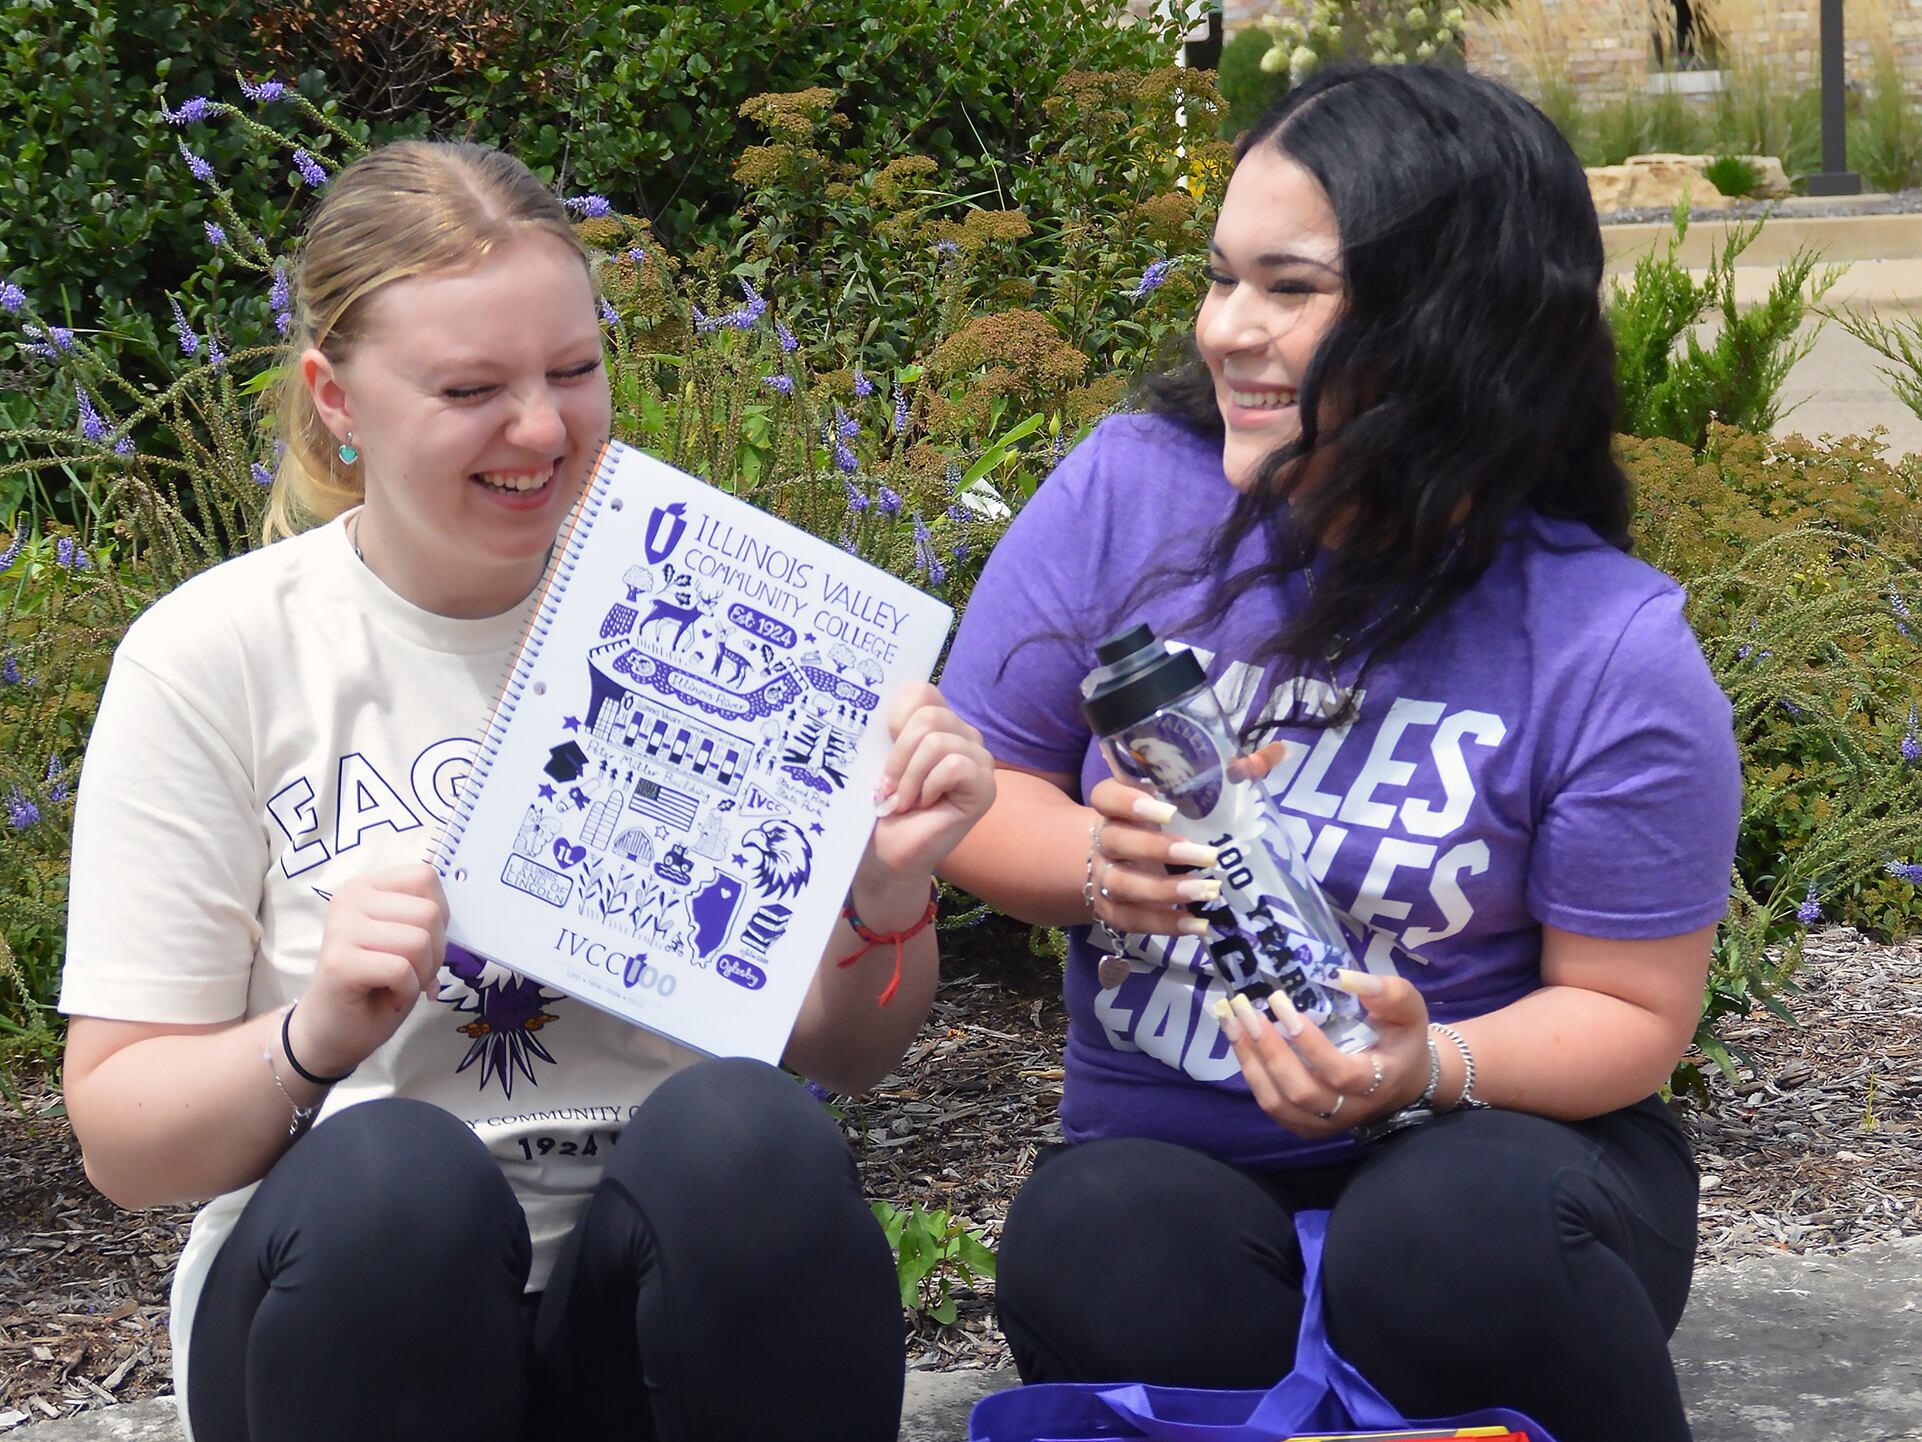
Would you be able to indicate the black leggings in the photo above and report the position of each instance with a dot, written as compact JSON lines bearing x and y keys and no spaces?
{"x":1489,"y":1258}
{"x":725,"y":1281}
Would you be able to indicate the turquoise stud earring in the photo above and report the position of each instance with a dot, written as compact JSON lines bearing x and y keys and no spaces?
{"x":348,"y":452}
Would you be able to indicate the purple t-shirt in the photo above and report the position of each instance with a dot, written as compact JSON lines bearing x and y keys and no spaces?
{"x":1550,"y":750}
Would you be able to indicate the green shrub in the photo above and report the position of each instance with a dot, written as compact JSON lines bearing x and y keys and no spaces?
{"x":1899,"y":342}
{"x":1675,"y":386}
{"x":1246,"y":89}
{"x":642,"y":102}
{"x":1885,"y":132}
{"x":103,"y":217}
{"x":1733,"y":176}
{"x":1800,"y":561}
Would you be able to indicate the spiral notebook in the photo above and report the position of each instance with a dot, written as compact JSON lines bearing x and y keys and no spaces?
{"x":670,"y":799}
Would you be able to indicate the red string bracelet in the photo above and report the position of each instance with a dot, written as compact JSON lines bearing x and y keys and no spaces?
{"x":884,"y":938}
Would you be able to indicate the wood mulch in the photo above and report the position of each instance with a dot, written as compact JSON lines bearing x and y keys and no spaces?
{"x":1812,"y":1152}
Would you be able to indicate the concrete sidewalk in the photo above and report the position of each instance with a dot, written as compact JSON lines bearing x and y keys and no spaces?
{"x":1773,"y":1348}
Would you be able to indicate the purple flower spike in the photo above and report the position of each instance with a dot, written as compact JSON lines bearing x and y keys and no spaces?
{"x":202,"y":171}
{"x":856,"y":500}
{"x":889,"y":501}
{"x":197,"y":109}
{"x":900,"y":410}
{"x":925,"y":558}
{"x":216,"y":357}
{"x":845,"y":460}
{"x":123,"y":446}
{"x":9,"y":672}
{"x":12,"y":553}
{"x":845,"y":425}
{"x":54,"y":768}
{"x":636,"y":254}
{"x":863,"y":387}
{"x":1911,"y":741}
{"x":51,"y":341}
{"x":262,"y":476}
{"x":266,"y":91}
{"x":216,"y":235}
{"x":948,"y":250}
{"x":786,"y":337}
{"x":68,"y":556}
{"x":1810,"y":911}
{"x":21,"y":811}
{"x":1905,"y":871}
{"x":277,"y":293}
{"x":589,"y":207}
{"x":609,"y":316}
{"x":11,"y":297}
{"x":91,"y":426}
{"x":1152,"y":279}
{"x":783,"y":384}
{"x":283,"y":322}
{"x":311,"y":170}
{"x":189,"y":342}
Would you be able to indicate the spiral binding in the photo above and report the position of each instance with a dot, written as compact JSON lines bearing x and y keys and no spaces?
{"x":520,"y":667}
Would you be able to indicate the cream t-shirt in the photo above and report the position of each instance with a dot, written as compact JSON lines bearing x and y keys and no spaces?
{"x":272,"y":728}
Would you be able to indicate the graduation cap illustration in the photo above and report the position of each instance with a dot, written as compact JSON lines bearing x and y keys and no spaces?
{"x":566,"y":761}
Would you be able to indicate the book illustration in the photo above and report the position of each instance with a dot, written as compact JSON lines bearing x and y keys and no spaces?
{"x":508,"y":1010}
{"x":666,"y":809}
{"x":702,"y":727}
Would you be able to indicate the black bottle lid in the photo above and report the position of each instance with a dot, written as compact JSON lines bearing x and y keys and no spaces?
{"x":1124,"y":643}
{"x":1141,"y":693}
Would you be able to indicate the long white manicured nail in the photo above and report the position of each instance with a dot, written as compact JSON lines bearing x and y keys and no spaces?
{"x":1149,"y":808}
{"x":1193,"y":853}
{"x":1203,"y":889}
{"x":1287,"y":1013}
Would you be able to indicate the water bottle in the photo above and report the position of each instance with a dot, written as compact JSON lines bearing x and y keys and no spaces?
{"x":1272,"y":929}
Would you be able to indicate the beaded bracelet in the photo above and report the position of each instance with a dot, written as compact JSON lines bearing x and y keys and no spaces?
{"x":898,"y":939}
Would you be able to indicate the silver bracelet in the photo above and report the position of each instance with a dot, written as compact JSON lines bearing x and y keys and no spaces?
{"x":302,"y":1115}
{"x":1466,"y":1102}
{"x":1100,"y":934}
{"x":1427,"y":1097}
{"x":1087,"y":884}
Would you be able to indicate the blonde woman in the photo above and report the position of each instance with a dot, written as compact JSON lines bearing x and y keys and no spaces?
{"x":515,"y":1215}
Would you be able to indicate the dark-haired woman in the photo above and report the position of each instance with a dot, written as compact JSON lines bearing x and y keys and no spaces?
{"x":1381,"y":504}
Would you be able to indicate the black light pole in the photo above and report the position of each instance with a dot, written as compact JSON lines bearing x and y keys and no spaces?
{"x":1836,"y":177}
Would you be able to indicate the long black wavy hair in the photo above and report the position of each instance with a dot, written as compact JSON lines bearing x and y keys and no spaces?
{"x":1468,"y":374}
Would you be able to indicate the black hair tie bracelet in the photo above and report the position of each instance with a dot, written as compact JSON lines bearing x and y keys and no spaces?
{"x":287,"y":1048}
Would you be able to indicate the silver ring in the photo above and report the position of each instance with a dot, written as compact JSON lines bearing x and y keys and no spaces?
{"x":1329,"y":1115}
{"x":1094,"y":838}
{"x":1375,"y":1085}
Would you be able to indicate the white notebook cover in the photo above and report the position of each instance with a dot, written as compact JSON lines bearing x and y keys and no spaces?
{"x":676,"y":785}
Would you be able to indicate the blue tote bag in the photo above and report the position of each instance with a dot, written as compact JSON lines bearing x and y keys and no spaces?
{"x":1323,"y":1394}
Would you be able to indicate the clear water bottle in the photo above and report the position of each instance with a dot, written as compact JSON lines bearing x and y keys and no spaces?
{"x":1272,"y":929}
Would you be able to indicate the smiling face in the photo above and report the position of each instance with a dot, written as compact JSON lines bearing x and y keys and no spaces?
{"x":1274,"y":290}
{"x":477,"y":400}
